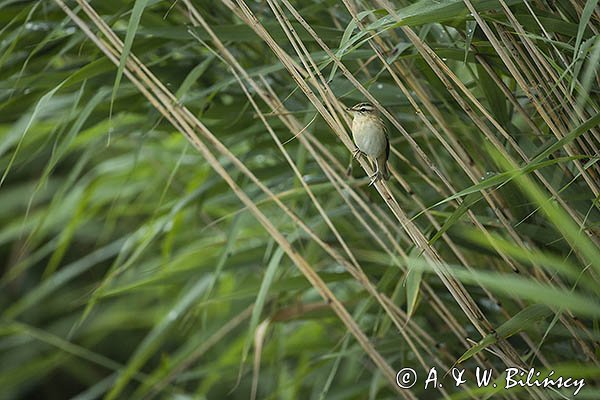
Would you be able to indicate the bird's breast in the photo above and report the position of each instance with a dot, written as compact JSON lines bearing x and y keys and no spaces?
{"x":369,"y":136}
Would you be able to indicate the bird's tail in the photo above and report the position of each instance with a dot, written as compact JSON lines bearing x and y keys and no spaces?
{"x":383,"y":167}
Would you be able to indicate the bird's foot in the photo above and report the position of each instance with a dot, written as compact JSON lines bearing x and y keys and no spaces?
{"x":377,"y":176}
{"x":356,"y":153}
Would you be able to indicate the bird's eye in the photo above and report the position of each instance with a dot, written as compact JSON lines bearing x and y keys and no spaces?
{"x":363,"y":109}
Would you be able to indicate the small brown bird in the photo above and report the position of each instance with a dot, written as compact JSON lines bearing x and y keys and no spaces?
{"x":370,"y":137}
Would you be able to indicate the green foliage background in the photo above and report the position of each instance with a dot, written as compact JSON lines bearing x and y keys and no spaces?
{"x":241,"y":259}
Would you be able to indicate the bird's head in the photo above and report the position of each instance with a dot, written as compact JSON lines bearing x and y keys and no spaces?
{"x":362,"y":109}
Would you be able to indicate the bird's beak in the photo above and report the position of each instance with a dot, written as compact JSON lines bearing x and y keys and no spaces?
{"x":349,"y":109}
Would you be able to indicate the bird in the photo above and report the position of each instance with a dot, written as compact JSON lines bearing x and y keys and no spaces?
{"x":371,"y":139}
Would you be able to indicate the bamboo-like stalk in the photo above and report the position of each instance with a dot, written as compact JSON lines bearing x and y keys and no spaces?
{"x":455,"y":287}
{"x":389,"y":307}
{"x":183,"y":120}
{"x":434,"y":161}
{"x":566,"y":320}
{"x":551,"y":122}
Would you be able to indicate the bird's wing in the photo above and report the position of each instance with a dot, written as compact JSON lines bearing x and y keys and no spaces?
{"x":385,"y":128}
{"x":387,"y":139}
{"x":387,"y":147}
